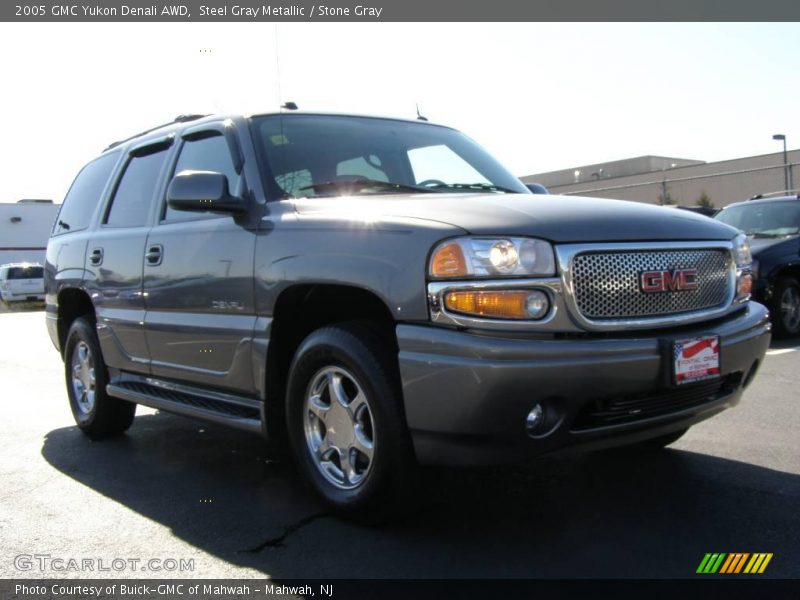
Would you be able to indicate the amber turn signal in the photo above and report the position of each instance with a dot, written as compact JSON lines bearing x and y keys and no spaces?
{"x":498,"y":304}
{"x":448,"y":261}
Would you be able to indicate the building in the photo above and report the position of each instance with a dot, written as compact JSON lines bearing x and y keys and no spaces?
{"x":24,"y":229}
{"x":681,"y":181}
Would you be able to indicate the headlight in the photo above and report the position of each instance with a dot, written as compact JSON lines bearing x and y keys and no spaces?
{"x":744,"y":265}
{"x":492,"y":257}
{"x":741,"y":252}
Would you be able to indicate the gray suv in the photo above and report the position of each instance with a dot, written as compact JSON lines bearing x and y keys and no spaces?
{"x":382,"y":293}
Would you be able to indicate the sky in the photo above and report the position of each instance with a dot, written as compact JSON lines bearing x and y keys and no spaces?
{"x":539,"y":96}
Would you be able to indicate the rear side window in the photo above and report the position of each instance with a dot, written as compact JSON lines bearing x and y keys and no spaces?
{"x":204,"y":154}
{"x":134,"y":195}
{"x":84,"y":194}
{"x":25,"y":273}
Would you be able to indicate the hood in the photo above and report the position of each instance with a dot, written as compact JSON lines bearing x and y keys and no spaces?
{"x":560,"y":219}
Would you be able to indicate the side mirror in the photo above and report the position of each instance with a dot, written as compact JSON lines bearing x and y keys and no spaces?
{"x":537,"y":188}
{"x":201,"y":191}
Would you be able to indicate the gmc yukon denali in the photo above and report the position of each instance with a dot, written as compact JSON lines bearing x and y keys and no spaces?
{"x":382,"y":293}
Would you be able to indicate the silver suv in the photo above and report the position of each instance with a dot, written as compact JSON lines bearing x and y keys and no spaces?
{"x":382,"y":293}
{"x":21,"y":281}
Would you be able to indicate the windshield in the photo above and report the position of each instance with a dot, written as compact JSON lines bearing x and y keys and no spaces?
{"x":319,"y":155}
{"x":764,"y":219}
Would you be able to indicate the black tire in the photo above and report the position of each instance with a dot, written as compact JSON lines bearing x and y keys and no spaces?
{"x":103,"y":416}
{"x":355,"y":351}
{"x":784,"y":308}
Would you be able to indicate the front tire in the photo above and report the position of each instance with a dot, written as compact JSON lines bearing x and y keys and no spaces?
{"x":345,"y":420}
{"x":785,"y":308}
{"x":96,"y":413}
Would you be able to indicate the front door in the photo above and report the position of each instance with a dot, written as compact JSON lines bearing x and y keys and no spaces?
{"x":198,"y":283}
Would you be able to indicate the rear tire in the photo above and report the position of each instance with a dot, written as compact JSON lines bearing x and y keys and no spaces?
{"x":785,"y":308}
{"x":346,"y":422}
{"x":96,"y":413}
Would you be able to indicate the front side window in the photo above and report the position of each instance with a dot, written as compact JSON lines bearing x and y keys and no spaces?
{"x":84,"y":194}
{"x":324,"y":155}
{"x":134,"y":195}
{"x":204,"y":154}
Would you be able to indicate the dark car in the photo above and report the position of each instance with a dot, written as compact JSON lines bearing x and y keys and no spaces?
{"x":706,"y":211}
{"x":537,"y":188}
{"x":384,"y":293}
{"x":773,"y":227}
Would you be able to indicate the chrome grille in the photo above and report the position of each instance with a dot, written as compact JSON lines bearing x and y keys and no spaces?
{"x":606,"y":284}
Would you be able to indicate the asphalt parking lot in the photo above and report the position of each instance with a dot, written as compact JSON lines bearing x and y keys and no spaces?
{"x":174,"y":488}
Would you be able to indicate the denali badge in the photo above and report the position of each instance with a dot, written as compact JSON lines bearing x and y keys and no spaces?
{"x":676,"y":280}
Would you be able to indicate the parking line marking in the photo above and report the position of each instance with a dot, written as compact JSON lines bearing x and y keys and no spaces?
{"x":781,"y":351}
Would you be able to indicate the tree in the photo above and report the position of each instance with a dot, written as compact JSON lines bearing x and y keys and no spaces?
{"x":705,"y":200}
{"x":665,"y":198}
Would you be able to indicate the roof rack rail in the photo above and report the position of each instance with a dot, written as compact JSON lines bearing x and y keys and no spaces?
{"x":179,"y":119}
{"x":773,"y":194}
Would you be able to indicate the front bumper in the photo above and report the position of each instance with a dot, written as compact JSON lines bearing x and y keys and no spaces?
{"x":467,"y":394}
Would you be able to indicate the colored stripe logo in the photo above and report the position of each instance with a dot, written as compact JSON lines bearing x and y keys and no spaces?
{"x":734,"y":563}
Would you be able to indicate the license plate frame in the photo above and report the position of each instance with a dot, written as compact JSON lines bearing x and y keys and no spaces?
{"x":695,"y":359}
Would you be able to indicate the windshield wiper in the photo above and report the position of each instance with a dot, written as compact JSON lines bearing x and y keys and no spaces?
{"x":353,"y":186}
{"x":477,"y":187}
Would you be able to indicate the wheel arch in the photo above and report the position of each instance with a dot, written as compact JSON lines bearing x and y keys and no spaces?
{"x":303,"y":308}
{"x":73,"y":303}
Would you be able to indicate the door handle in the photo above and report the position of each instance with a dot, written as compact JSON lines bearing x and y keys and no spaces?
{"x":154,"y":254}
{"x":96,"y":257}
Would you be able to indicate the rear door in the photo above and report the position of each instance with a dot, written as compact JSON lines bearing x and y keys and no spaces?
{"x":115,"y":257}
{"x":198,"y":277}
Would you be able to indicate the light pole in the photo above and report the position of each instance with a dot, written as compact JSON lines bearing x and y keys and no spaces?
{"x":782,"y":137}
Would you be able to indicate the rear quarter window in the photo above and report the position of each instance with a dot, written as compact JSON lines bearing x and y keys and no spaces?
{"x":85,"y":194}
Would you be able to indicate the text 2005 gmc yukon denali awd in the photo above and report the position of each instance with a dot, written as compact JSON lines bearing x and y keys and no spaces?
{"x":386,"y":293}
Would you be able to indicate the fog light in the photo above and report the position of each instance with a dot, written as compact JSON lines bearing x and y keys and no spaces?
{"x":537,"y":304}
{"x":534,"y":418}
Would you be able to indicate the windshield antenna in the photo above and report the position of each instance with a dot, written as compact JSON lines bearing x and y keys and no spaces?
{"x":419,"y":116}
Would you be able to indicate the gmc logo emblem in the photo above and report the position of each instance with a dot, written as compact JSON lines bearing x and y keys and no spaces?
{"x":676,"y":280}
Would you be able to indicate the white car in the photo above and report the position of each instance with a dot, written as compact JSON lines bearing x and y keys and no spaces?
{"x":21,"y":281}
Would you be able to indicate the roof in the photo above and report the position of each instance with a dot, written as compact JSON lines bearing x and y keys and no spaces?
{"x":181,"y":120}
{"x":21,"y":264}
{"x":757,"y":200}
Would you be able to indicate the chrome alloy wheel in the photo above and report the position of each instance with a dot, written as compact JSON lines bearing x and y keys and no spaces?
{"x":339,"y":430}
{"x":790,"y":309}
{"x":83,"y":377}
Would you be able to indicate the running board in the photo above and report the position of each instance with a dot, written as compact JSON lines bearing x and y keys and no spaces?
{"x":217,"y":407}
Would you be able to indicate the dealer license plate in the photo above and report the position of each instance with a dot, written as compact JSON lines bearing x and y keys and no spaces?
{"x":696,"y":359}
